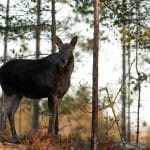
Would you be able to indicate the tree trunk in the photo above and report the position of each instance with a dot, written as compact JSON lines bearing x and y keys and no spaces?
{"x":53,"y":35}
{"x":123,"y":121}
{"x":138,"y":111}
{"x":53,"y":27}
{"x":129,"y":98}
{"x":6,"y":31}
{"x":35,"y":123}
{"x":95,"y":77}
{"x":38,"y":29}
{"x":137,"y":71}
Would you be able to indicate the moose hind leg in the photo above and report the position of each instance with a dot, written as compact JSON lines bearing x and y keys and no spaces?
{"x":5,"y":107}
{"x":11,"y":116}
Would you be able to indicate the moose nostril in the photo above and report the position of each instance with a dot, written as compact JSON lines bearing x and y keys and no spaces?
{"x":64,"y":61}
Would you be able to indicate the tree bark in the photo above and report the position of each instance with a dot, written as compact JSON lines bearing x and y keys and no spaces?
{"x":53,"y":35}
{"x":137,"y":71}
{"x":123,"y":121}
{"x":6,"y":31}
{"x":95,"y":77}
{"x":38,"y":29}
{"x":35,"y":123}
{"x":129,"y":97}
{"x":53,"y":27}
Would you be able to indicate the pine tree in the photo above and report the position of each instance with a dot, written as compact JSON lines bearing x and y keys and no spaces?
{"x":35,"y":121}
{"x":6,"y":31}
{"x":53,"y":26}
{"x":95,"y":76}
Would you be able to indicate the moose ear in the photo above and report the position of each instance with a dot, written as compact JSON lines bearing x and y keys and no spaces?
{"x":58,"y":41}
{"x":74,"y":41}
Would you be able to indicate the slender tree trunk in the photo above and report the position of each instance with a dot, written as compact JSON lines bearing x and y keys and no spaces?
{"x":129,"y":78}
{"x":137,"y":70}
{"x":6,"y":31}
{"x":123,"y":122}
{"x":95,"y":77}
{"x":53,"y":26}
{"x":53,"y":35}
{"x":139,"y":95}
{"x":35,"y":123}
{"x":138,"y":111}
{"x":38,"y":29}
{"x":129,"y":98}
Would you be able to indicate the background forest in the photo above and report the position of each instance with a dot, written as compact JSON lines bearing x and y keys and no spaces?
{"x":27,"y":30}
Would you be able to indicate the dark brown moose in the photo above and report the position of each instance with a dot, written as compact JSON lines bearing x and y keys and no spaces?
{"x":48,"y":77}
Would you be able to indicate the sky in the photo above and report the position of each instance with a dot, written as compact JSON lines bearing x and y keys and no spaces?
{"x":110,"y":59}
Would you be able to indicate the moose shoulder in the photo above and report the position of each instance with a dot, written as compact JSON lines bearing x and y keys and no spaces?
{"x":47,"y":77}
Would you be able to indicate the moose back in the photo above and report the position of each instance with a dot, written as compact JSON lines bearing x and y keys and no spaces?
{"x":48,"y":77}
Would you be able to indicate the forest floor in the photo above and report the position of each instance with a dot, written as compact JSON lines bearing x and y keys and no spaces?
{"x":36,"y":141}
{"x":64,"y":146}
{"x":130,"y":147}
{"x":56,"y":144}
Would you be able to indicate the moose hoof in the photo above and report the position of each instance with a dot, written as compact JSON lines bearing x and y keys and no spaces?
{"x":15,"y":141}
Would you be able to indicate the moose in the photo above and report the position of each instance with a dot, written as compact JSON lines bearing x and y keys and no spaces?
{"x":48,"y":77}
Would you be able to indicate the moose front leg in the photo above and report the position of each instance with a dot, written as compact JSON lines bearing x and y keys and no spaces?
{"x":53,"y":106}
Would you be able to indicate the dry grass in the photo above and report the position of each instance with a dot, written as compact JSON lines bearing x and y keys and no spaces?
{"x":40,"y":141}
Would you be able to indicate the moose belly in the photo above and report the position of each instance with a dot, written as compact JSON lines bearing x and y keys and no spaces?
{"x":36,"y":93}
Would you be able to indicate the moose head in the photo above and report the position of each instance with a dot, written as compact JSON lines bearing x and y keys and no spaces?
{"x":65,"y":50}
